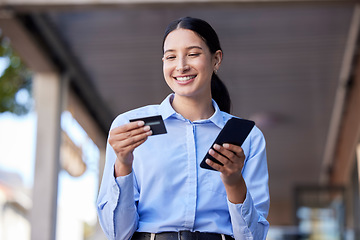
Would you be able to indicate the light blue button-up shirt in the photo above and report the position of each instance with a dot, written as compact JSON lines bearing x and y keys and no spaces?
{"x":168,"y":190}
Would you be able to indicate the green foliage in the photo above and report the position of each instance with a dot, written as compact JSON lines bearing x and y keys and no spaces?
{"x":15,"y":81}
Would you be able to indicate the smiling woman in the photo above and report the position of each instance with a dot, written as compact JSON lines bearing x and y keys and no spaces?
{"x":153,"y":186}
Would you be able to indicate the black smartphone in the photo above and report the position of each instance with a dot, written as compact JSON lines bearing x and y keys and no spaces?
{"x":234,"y":132}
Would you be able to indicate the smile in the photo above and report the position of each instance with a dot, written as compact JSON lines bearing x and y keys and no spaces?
{"x":184,"y":79}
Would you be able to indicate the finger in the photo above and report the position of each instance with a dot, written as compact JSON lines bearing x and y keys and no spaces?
{"x":119,"y":134}
{"x":126,"y":150}
{"x":219,"y":157}
{"x":127,"y":127}
{"x":136,"y":144}
{"x":133,"y":133}
{"x":237,"y":150}
{"x":130,"y":141}
{"x":214,"y":165}
{"x":225,"y":152}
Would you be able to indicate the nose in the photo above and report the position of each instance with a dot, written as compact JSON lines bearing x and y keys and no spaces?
{"x":182,"y":65}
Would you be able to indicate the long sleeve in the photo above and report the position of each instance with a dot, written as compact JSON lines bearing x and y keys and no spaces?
{"x":116,"y":205}
{"x":249,"y":218}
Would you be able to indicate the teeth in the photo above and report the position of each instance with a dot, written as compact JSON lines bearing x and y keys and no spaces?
{"x":184,"y":78}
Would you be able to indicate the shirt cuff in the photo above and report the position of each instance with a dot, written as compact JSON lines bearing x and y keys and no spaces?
{"x":243,"y":216}
{"x":123,"y":188}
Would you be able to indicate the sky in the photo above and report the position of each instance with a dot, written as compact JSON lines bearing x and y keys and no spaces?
{"x":17,"y":145}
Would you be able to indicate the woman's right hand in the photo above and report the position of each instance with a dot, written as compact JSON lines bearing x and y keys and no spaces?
{"x":124,"y":139}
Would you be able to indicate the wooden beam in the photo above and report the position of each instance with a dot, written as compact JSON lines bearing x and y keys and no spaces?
{"x":358,"y":164}
{"x":349,"y":133}
{"x":340,"y":98}
{"x":105,"y":2}
{"x":24,"y":44}
{"x":33,"y":4}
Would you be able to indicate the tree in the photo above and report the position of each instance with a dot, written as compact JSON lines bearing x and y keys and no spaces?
{"x":15,"y":81}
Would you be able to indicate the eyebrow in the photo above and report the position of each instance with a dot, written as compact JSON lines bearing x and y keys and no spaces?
{"x":188,"y":48}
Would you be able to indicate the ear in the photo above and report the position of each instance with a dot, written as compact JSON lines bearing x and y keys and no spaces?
{"x":217,"y":59}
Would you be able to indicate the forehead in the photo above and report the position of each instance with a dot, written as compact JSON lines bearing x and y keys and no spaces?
{"x":183,"y":38}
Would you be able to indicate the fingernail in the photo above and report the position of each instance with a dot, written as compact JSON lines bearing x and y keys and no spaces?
{"x":226,"y":145}
{"x":216,"y":146}
{"x":149,"y":133}
{"x":141,"y":123}
{"x":211,"y":151}
{"x":146,"y":128}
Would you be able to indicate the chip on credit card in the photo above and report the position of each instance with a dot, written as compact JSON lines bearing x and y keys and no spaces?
{"x":156,"y":124}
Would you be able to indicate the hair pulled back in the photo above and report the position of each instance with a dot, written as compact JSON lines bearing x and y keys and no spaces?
{"x":219,"y":91}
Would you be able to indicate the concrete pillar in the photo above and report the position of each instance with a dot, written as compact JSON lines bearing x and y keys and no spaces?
{"x":102,"y":160}
{"x":47,"y":94}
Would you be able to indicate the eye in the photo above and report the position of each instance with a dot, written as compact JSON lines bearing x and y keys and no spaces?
{"x":170,"y":57}
{"x":194,"y":54}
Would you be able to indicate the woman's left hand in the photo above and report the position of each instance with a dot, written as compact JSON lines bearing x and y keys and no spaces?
{"x":232,"y":157}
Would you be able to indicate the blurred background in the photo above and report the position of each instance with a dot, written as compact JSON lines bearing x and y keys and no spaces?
{"x":69,"y":67}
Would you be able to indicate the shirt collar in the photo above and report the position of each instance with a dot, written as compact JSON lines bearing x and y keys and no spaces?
{"x":167,"y":111}
{"x":217,"y":118}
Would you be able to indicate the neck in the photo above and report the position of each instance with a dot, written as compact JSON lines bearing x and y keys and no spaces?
{"x":193,"y":109}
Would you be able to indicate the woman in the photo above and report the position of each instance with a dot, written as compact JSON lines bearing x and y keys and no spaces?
{"x":153,"y":187}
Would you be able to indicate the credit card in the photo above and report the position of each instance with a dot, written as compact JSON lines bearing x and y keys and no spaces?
{"x":156,"y":124}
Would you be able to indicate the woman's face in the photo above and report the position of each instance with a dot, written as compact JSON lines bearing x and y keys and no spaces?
{"x":188,"y":64}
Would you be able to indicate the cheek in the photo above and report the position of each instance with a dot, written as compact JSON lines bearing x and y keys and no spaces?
{"x":167,"y":74}
{"x":167,"y":70}
{"x":204,"y":65}
{"x":164,"y":69}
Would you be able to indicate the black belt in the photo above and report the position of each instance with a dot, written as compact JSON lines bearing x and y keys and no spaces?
{"x":182,"y":235}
